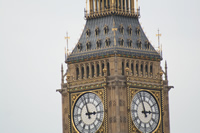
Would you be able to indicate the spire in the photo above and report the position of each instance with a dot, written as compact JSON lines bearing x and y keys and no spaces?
{"x":67,"y":38}
{"x":159,"y":48}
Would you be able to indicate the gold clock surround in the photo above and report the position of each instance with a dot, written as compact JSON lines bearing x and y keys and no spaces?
{"x":100,"y":93}
{"x":157,"y":96}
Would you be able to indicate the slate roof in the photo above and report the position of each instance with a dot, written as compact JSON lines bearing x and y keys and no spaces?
{"x":100,"y":22}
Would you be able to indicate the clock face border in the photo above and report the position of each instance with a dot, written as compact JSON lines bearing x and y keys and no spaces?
{"x":75,"y":96}
{"x":157,"y":96}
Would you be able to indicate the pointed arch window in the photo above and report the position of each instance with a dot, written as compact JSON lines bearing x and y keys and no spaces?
{"x":138,"y":30}
{"x":122,"y":68}
{"x":107,"y":42}
{"x":121,"y":42}
{"x":147,"y":44}
{"x":98,"y":70}
{"x":121,"y":29}
{"x":92,"y":70}
{"x":79,"y":46}
{"x":106,"y":29}
{"x":77,"y":73}
{"x":102,"y":67}
{"x":132,"y":68}
{"x":98,"y":43}
{"x":139,"y":44}
{"x":97,"y":31}
{"x":130,"y":30}
{"x":82,"y":72}
{"x":88,"y":45}
{"x":129,"y":43}
{"x":88,"y":32}
{"x":151,"y":69}
{"x":87,"y":69}
{"x":146,"y":69}
{"x":141,"y":68}
{"x":137,"y":69}
{"x":108,"y":69}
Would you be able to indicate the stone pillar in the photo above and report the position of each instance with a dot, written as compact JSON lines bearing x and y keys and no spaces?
{"x":132,"y":6}
{"x":95,"y":69}
{"x":96,"y":6}
{"x":103,"y":5}
{"x":80,"y":73}
{"x":99,"y":5}
{"x":100,"y":68}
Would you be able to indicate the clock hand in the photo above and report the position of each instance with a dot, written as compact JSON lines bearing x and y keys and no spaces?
{"x":143,"y":106}
{"x":88,"y":113}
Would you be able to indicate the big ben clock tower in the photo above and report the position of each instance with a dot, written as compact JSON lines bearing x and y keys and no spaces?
{"x":114,"y":82}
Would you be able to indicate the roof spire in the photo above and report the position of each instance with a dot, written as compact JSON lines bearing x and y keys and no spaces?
{"x":166,"y":78}
{"x":67,"y":38}
{"x":159,"y":48}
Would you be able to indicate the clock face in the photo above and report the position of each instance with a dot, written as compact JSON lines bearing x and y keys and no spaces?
{"x":88,"y":113}
{"x":145,"y":112}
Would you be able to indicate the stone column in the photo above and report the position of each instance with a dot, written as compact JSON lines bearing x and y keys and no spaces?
{"x":96,"y":6}
{"x":100,"y":68}
{"x":80,"y":73}
{"x":85,"y":71}
{"x":103,"y":6}
{"x":132,"y":6}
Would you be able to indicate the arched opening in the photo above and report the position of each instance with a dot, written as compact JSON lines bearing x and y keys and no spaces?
{"x":102,"y":67}
{"x":92,"y":70}
{"x":122,"y":68}
{"x":97,"y":70}
{"x":146,"y":69}
{"x":151,"y":69}
{"x":127,"y":64}
{"x":108,"y":69}
{"x":87,"y":71}
{"x":132,"y":68}
{"x":137,"y":69}
{"x":77,"y":73}
{"x":82,"y":72}
{"x":141,"y":68}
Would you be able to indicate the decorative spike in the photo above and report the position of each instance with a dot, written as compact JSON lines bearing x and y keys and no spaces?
{"x":62,"y":77}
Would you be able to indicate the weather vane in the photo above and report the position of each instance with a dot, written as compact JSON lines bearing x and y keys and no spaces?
{"x":159,"y":48}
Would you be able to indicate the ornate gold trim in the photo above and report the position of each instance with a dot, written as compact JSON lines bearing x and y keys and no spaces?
{"x":157,"y":96}
{"x":101,"y":94}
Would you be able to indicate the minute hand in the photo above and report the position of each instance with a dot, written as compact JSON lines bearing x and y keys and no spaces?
{"x":143,"y":107}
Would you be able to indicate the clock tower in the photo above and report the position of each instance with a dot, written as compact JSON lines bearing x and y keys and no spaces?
{"x":114,"y":82}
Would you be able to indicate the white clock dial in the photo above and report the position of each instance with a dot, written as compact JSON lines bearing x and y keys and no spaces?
{"x":88,"y":113}
{"x":145,"y":112}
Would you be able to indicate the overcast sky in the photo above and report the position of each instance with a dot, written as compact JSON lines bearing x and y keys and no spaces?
{"x":32,"y":50}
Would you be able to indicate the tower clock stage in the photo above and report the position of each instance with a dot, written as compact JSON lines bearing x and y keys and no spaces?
{"x":114,"y":81}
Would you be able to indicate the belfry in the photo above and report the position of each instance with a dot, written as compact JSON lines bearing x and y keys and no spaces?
{"x":114,"y":80}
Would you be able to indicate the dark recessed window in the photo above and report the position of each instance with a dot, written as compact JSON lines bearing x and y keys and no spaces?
{"x":121,"y":29}
{"x":107,"y":42}
{"x":129,"y":43}
{"x":129,"y":30}
{"x":106,"y":29}
{"x":97,"y":31}
{"x":121,"y":42}
{"x":88,"y":32}
{"x":88,"y":45}
{"x":147,"y":44}
{"x":138,"y":30}
{"x":139,"y":44}
{"x":98,"y":44}
{"x":79,"y":46}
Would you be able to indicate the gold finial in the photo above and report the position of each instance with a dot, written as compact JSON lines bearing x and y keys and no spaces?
{"x":114,"y":29}
{"x":159,"y":35}
{"x":86,"y":7}
{"x":67,"y":38}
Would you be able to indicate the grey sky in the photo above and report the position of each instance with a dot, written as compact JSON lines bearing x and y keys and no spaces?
{"x":32,"y":50}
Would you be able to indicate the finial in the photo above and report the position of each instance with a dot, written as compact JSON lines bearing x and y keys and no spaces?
{"x":159,"y":35}
{"x":65,"y":54}
{"x":67,"y":38}
{"x":86,"y":7}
